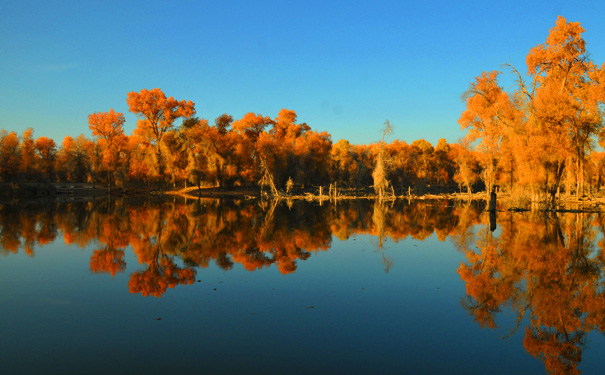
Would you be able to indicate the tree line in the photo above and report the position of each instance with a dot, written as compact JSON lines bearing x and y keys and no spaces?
{"x":537,"y":141}
{"x":279,"y":153}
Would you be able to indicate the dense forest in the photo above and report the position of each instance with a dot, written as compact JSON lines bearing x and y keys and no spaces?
{"x":537,"y":141}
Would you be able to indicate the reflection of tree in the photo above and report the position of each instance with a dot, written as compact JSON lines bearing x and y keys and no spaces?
{"x":111,"y":234}
{"x":173,"y":238}
{"x":161,"y":274}
{"x":378,"y":218}
{"x":467,"y":216}
{"x":546,"y":269}
{"x":560,"y":351}
{"x":108,"y":260}
{"x":19,"y":227}
{"x":148,"y":244}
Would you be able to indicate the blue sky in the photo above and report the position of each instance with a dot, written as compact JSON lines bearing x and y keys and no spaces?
{"x":343,"y":66}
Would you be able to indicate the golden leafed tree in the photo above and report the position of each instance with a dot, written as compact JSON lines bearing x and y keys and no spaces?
{"x":108,"y":128}
{"x":564,"y":97}
{"x":157,"y":115}
{"x":489,"y":110}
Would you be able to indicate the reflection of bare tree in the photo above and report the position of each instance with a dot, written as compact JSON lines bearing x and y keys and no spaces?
{"x":378,"y":218}
{"x":269,"y":208}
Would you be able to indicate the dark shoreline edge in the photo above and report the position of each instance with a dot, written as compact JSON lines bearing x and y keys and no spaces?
{"x":86,"y":191}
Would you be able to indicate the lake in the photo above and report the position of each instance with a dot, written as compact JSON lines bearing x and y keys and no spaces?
{"x":209,"y":286}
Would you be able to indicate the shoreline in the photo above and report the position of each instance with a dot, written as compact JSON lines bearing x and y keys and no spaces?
{"x":83,"y":191}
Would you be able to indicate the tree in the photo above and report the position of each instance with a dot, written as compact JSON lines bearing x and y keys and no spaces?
{"x":381,"y":183}
{"x":467,"y":168}
{"x":569,"y":94}
{"x":444,"y":166}
{"x":223,"y":122}
{"x":47,"y":150}
{"x":177,"y":156}
{"x":343,"y":164}
{"x":157,"y":115}
{"x":489,"y":110}
{"x":74,"y":158}
{"x":28,"y":155}
{"x":108,"y":128}
{"x":9,"y":156}
{"x":251,"y":125}
{"x":423,"y":160}
{"x":564,"y":99}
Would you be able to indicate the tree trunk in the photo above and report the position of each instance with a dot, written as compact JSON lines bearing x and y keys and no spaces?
{"x":511,"y":174}
{"x":492,"y":201}
{"x":492,"y":221}
{"x":578,"y":183}
{"x":158,"y":154}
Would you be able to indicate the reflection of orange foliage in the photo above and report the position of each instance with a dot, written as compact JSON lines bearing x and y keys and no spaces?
{"x":154,"y":280}
{"x":484,"y":284}
{"x":47,"y":234}
{"x":195,"y":234}
{"x":418,"y":220}
{"x":287,"y":246}
{"x":545,"y":268}
{"x":69,"y":238}
{"x":10,"y":243}
{"x":561,"y":354}
{"x":209,"y":230}
{"x":252,"y":259}
{"x":107,"y":260}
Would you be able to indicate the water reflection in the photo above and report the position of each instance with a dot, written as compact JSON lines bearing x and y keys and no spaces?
{"x":174,"y":238}
{"x":544,"y":269}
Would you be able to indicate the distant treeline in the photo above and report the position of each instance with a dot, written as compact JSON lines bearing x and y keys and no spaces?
{"x":532,"y":142}
{"x":251,"y":150}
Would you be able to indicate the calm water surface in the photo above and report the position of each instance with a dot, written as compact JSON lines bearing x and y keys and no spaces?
{"x":249,"y":287}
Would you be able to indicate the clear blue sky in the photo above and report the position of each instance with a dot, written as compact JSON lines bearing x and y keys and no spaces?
{"x":343,"y":66}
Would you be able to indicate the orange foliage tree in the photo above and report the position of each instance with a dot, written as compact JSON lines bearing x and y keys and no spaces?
{"x":29,"y":162}
{"x":47,"y":151}
{"x":10,"y":157}
{"x":157,"y":115}
{"x":293,"y":150}
{"x":566,"y":91}
{"x":489,"y":110}
{"x":467,"y":168}
{"x":108,"y":128}
{"x":75,"y":160}
{"x":549,"y":125}
{"x":563,"y":98}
